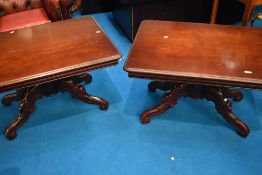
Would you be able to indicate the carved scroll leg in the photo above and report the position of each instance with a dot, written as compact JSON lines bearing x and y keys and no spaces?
{"x":234,"y":94}
{"x":169,"y":100}
{"x":79,"y":92}
{"x":17,"y":96}
{"x":27,"y":106}
{"x":164,"y":86}
{"x":223,"y":106}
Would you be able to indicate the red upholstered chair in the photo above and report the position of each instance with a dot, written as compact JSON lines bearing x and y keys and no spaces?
{"x":15,"y":14}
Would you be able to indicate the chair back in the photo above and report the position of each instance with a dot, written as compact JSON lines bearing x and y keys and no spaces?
{"x":12,"y":6}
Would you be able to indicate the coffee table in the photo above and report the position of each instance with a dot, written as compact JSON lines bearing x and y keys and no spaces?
{"x":198,"y":61}
{"x":46,"y":59}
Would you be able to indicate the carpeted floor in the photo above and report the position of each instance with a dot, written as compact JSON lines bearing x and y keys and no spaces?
{"x":66,"y":136}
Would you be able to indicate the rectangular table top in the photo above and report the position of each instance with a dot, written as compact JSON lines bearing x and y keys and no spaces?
{"x":53,"y":51}
{"x":197,"y":53}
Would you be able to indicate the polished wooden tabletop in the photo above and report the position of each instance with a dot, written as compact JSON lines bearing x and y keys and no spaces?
{"x":197,"y":53}
{"x":52,"y":51}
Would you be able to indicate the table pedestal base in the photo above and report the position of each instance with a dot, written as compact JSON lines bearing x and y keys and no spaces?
{"x":29,"y":96}
{"x":219,"y":95}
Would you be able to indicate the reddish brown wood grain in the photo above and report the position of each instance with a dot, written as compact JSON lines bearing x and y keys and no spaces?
{"x":197,"y":53}
{"x":53,"y":51}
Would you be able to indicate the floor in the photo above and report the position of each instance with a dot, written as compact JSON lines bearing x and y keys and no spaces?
{"x":66,"y":136}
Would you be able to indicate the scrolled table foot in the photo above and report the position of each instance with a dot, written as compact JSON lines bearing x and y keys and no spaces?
{"x":6,"y":100}
{"x":102,"y":103}
{"x":26,"y":108}
{"x":17,"y":96}
{"x":241,"y":127}
{"x":145,"y":118}
{"x":224,"y":107}
{"x":157,"y":110}
{"x":10,"y":134}
{"x":234,"y":94}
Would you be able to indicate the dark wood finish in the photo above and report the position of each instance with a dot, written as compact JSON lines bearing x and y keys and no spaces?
{"x":197,"y":61}
{"x":32,"y":94}
{"x":44,"y":60}
{"x":206,"y":54}
{"x":44,"y":53}
{"x":215,"y":94}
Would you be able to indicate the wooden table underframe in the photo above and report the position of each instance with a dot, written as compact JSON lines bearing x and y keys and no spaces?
{"x":29,"y":95}
{"x":195,"y":89}
{"x":218,"y":95}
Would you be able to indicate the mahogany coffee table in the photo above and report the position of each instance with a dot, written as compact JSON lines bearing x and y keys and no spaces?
{"x":46,"y":59}
{"x":198,"y":61}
